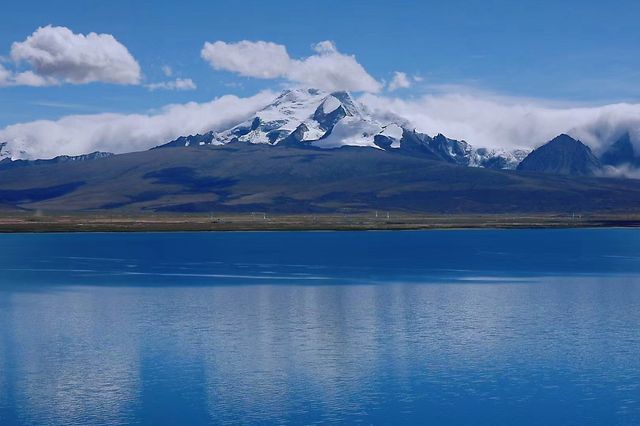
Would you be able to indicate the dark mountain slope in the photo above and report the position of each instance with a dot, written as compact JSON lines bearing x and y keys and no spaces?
{"x":562,"y":155}
{"x":241,"y":177}
{"x":620,"y":152}
{"x":7,"y":163}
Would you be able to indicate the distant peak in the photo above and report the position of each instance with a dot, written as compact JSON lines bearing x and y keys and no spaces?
{"x":625,"y":139}
{"x":620,"y":152}
{"x":562,"y":155}
{"x":563,"y":137}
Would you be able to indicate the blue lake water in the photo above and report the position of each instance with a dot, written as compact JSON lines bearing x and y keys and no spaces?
{"x":444,"y":327}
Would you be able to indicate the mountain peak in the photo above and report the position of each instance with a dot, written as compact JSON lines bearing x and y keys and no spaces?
{"x":562,"y":155}
{"x":295,"y":116}
{"x":564,"y":138}
{"x":620,"y":152}
{"x":311,"y":117}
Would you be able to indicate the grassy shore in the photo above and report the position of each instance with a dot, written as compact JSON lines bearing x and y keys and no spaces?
{"x":262,"y":222}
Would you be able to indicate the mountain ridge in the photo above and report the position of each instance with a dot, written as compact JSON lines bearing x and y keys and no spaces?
{"x":241,"y":178}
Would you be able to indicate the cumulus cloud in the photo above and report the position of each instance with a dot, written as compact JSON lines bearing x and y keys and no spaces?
{"x":487,"y":120}
{"x":177,"y":84}
{"x":328,"y":69}
{"x":167,"y":71}
{"x":118,"y":133}
{"x":57,"y":55}
{"x":259,"y":59}
{"x":400,"y":80}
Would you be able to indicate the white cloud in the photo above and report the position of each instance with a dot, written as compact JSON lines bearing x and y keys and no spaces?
{"x":57,"y":55}
{"x":259,"y":59}
{"x":25,"y":78}
{"x":325,"y":47}
{"x":328,"y":69}
{"x":167,"y":71}
{"x":400,"y":81}
{"x":177,"y":84}
{"x":487,"y":120}
{"x":5,"y":76}
{"x":79,"y":134}
{"x":29,"y":78}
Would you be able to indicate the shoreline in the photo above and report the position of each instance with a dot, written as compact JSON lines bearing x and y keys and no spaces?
{"x":23,"y":223}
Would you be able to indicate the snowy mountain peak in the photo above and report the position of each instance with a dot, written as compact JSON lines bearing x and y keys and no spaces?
{"x":311,"y":117}
{"x":299,"y":116}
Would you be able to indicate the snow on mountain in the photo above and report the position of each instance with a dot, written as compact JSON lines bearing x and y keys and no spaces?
{"x":394,"y":132}
{"x":300,"y":116}
{"x":278,"y":120}
{"x":330,"y":104}
{"x":497,"y":158}
{"x":458,"y":152}
{"x":331,"y":120}
{"x":306,"y":115}
{"x":310,"y":117}
{"x":352,"y":131}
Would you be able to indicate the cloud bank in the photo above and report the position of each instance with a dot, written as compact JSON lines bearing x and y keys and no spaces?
{"x":486,"y":120}
{"x":119,"y":133}
{"x":327,"y":69}
{"x":56,"y":55}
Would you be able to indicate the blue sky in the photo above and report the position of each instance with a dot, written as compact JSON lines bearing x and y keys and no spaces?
{"x":576,"y":51}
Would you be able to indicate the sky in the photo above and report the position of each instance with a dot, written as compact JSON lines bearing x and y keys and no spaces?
{"x":140,"y":60}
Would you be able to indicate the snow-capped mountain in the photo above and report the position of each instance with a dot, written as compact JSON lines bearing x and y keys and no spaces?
{"x":302,"y":116}
{"x":310,"y":117}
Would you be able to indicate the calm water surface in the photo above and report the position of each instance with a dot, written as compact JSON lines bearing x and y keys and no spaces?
{"x":453,"y":327}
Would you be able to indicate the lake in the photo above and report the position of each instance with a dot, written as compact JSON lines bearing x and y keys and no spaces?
{"x":527,"y":327}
